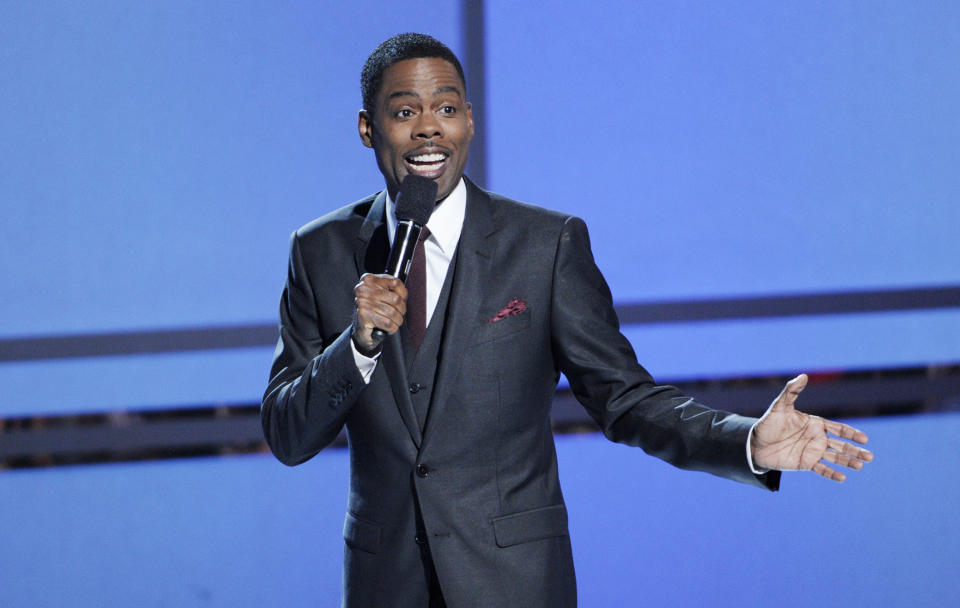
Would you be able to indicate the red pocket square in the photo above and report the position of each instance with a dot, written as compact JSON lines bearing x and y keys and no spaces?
{"x":514,"y":307}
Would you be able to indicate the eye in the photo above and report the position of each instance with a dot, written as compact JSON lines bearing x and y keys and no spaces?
{"x":448,"y":109}
{"x":404,"y":113}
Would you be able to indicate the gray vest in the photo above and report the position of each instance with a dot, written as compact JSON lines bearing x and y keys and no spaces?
{"x":422,"y":365}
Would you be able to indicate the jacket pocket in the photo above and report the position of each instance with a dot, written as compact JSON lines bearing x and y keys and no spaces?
{"x":362,"y":535}
{"x":491,"y":330}
{"x":527,"y":526}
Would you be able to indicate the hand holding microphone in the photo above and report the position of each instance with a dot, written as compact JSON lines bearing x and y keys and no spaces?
{"x":381,"y":299}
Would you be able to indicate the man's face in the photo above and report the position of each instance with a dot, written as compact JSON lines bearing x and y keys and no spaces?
{"x":421,"y":124}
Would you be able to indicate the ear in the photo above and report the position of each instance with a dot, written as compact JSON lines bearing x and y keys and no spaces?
{"x":365,"y":127}
{"x":470,"y":119}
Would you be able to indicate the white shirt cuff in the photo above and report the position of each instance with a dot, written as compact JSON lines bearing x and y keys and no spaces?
{"x":365,"y":365}
{"x":756,"y":470}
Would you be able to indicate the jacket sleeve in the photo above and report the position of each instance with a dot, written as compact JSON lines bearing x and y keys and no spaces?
{"x":618,"y":392}
{"x":313,"y":384}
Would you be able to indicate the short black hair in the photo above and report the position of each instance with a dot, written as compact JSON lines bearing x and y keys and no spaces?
{"x":396,"y":49}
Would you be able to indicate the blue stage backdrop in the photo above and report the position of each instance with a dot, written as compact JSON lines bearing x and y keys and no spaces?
{"x":245,"y":531}
{"x":723,"y":150}
{"x":155,"y":156}
{"x":154,"y":159}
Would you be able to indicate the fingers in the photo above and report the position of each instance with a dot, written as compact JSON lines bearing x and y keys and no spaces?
{"x":860,"y":455}
{"x":844,"y":454}
{"x":381,"y":302}
{"x":844,"y":458}
{"x":824,"y":470}
{"x":845,"y":431}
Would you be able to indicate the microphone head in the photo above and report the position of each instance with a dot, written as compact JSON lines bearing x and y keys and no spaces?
{"x":416,"y":199}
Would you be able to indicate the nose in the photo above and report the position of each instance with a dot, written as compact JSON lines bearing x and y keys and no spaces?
{"x":428,"y":127}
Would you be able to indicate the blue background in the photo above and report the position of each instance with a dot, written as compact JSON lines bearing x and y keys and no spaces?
{"x":155,"y":156}
{"x":246,"y":531}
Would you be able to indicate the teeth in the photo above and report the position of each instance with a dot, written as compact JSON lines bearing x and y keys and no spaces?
{"x":428,"y":158}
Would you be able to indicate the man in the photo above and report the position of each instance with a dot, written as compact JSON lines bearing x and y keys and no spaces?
{"x":454,"y":495}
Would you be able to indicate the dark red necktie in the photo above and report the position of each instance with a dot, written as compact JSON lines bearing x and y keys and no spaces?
{"x":417,"y":293}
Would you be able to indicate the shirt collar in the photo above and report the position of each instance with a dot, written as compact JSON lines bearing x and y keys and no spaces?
{"x":445,"y":223}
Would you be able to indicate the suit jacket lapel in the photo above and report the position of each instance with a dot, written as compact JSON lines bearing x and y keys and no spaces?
{"x":472,"y":274}
{"x":371,"y":255}
{"x":373,"y":245}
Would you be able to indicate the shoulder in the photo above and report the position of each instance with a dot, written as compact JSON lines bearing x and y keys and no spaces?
{"x":524,"y":215}
{"x":533,"y":224}
{"x":343,"y":222}
{"x":347,"y":216}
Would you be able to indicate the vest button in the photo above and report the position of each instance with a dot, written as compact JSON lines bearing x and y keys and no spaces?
{"x":416,"y":388}
{"x":420,"y":538}
{"x":422,"y":470}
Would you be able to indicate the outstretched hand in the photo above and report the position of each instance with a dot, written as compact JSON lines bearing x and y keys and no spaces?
{"x":788,"y":440}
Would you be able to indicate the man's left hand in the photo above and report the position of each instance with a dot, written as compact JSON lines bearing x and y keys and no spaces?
{"x":788,"y":440}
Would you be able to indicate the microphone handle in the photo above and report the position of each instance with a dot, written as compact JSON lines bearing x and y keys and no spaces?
{"x":401,"y":256}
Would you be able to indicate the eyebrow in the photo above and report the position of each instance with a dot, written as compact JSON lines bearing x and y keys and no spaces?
{"x":444,"y":89}
{"x":449,"y":89}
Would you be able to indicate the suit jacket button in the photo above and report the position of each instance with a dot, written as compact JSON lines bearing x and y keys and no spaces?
{"x":420,"y":538}
{"x":422,"y":470}
{"x":415,"y":388}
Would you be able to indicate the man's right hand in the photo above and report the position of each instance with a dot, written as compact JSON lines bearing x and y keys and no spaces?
{"x":381,"y":302}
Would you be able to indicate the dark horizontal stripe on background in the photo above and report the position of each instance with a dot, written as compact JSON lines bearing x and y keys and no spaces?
{"x":790,"y":305}
{"x":137,"y":342}
{"x":254,"y":335}
{"x":208,"y":430}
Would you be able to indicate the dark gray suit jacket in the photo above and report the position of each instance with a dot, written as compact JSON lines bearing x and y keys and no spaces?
{"x":484,"y":469}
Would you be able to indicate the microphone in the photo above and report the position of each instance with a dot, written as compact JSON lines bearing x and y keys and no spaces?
{"x":415,"y":202}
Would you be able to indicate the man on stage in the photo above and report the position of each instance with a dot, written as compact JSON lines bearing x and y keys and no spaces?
{"x":454,"y":494}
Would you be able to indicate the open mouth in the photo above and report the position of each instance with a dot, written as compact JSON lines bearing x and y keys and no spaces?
{"x":427,"y":164}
